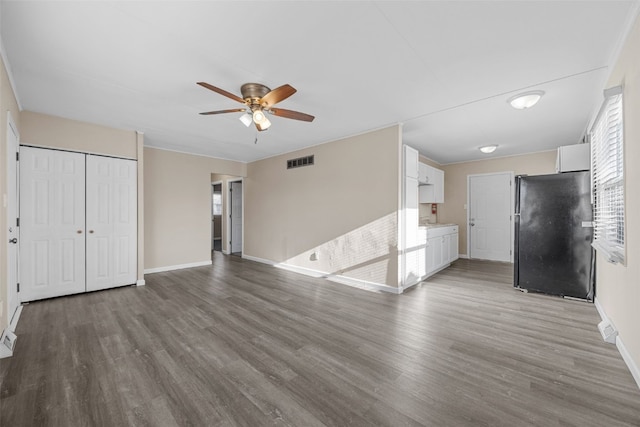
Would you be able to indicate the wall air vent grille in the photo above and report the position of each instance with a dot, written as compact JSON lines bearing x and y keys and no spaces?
{"x":299,"y":162}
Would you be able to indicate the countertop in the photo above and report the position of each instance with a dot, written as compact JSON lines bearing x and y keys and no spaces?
{"x":428,"y":226}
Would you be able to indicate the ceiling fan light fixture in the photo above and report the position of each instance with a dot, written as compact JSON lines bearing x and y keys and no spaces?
{"x":246,"y":119}
{"x":264,"y":125}
{"x":525,"y":100}
{"x":488,"y":149}
{"x":258,"y":116}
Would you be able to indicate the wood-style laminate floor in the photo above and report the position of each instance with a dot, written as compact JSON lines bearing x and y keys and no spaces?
{"x":242,"y":343}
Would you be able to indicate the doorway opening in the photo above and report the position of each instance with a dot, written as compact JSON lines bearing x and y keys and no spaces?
{"x":235,"y":217}
{"x":216,"y":216}
{"x":226,"y":215}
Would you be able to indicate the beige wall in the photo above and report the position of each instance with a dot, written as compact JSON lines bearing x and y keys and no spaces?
{"x":7,"y":103}
{"x":57,"y":132}
{"x":344,"y":208}
{"x":618,"y":286}
{"x":177,"y":206}
{"x":455,"y":183}
{"x":225,"y":199}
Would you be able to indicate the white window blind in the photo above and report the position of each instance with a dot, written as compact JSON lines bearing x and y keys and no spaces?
{"x":607,"y":174}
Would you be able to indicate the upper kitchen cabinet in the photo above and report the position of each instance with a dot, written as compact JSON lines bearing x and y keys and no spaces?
{"x":411,"y":157}
{"x":431,"y":184}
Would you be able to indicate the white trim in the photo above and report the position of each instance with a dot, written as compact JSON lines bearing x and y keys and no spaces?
{"x":622,"y":349}
{"x":463,"y":256}
{"x":14,"y":320}
{"x":603,"y":315}
{"x":499,"y":157}
{"x":7,"y":67}
{"x":631,"y":364}
{"x":199,"y":155}
{"x":229,"y":212}
{"x":213,"y":238}
{"x":631,"y":17}
{"x":176,"y":267}
{"x":15,"y":180}
{"x":140,"y":282}
{"x":337,"y":278}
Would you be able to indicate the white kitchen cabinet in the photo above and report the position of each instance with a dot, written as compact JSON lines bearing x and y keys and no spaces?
{"x":435,"y":250}
{"x":431,"y":184}
{"x":442,"y":248}
{"x":423,"y":173}
{"x":453,"y":248}
{"x":575,"y":157}
{"x":411,"y":157}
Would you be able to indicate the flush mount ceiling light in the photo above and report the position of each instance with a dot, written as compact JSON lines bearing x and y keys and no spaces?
{"x":525,"y":100}
{"x":487,"y":149}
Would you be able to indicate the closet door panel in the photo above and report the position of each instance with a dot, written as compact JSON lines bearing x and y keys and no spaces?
{"x":52,"y":220}
{"x":111,"y":222}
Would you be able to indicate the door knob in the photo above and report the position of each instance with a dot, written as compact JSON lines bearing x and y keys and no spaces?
{"x":472,"y":224}
{"x":79,"y":231}
{"x":14,"y":240}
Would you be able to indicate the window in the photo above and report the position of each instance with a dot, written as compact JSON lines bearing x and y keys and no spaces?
{"x":217,"y":203}
{"x":607,"y":174}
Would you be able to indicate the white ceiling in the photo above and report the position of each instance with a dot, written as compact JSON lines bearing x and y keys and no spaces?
{"x":442,"y":68}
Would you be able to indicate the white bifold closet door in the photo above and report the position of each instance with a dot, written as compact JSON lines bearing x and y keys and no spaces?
{"x":112,"y":218}
{"x":78,"y":223}
{"x":52,"y":222}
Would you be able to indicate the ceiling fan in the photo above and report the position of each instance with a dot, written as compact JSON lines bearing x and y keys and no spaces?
{"x":258,"y":100}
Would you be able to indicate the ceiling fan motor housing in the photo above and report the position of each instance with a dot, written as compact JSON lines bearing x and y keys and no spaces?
{"x":252,"y":93}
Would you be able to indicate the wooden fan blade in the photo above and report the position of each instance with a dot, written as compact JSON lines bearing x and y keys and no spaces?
{"x":233,"y":110}
{"x":221,"y":92}
{"x":288,"y":114}
{"x":276,"y":95}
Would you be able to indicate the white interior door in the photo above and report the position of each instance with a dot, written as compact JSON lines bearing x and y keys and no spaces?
{"x":490,"y":225}
{"x":236,"y":216}
{"x":12,"y":223}
{"x":52,"y":221}
{"x":111,"y":222}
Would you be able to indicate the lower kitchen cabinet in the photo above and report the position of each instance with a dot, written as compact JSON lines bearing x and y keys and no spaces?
{"x":442,"y":248}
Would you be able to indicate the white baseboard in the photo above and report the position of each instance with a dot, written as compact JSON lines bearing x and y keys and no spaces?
{"x":622,"y":349}
{"x":176,"y":267}
{"x":626,"y":356}
{"x":140,"y":282}
{"x":337,"y":278}
{"x":463,"y":256}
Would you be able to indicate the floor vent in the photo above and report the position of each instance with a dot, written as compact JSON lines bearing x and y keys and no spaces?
{"x":608,"y":331}
{"x":299,"y":162}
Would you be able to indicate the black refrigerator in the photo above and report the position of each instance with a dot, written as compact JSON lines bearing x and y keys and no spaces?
{"x":553,"y":235}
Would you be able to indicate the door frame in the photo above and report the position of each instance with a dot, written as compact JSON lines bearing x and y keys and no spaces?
{"x":229,"y":212}
{"x":511,"y":209}
{"x":213,"y":184}
{"x":13,"y":313}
